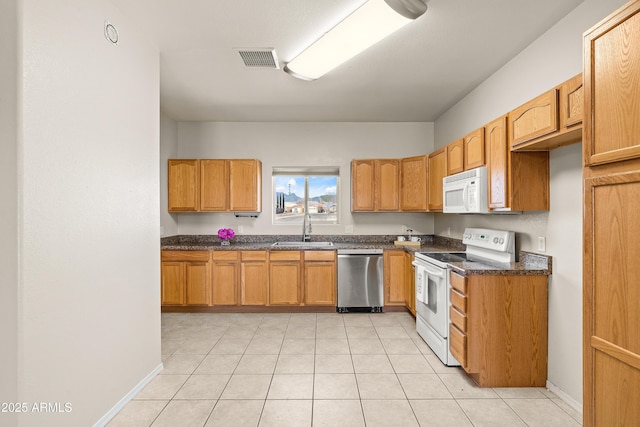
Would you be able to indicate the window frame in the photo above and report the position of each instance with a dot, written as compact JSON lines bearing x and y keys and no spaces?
{"x":306,"y":172}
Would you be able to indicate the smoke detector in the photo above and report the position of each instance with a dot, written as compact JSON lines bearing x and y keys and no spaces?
{"x":264,"y":58}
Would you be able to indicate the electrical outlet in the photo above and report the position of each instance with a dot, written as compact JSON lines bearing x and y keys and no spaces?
{"x":240,"y":229}
{"x":448,"y":231}
{"x":542,"y":244}
{"x":348,"y":229}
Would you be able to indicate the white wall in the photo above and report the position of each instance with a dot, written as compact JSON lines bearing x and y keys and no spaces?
{"x":303,"y":144}
{"x":8,"y":206}
{"x":553,"y":58}
{"x":168,"y":150}
{"x":89,"y":298}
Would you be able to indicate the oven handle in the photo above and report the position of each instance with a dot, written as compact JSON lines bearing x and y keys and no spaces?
{"x":431,"y":271}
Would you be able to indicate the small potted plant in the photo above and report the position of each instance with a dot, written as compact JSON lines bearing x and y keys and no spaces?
{"x":226,"y":234}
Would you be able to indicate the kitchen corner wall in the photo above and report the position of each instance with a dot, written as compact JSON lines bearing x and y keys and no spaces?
{"x":88,"y":251}
{"x":299,"y":144}
{"x":553,"y":58}
{"x":9,"y":206}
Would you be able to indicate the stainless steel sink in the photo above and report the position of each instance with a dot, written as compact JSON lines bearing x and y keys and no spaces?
{"x":302,"y":244}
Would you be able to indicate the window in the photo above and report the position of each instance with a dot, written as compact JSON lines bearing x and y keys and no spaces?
{"x":310,"y":190}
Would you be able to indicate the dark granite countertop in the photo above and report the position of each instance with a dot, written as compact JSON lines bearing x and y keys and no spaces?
{"x":528,"y":264}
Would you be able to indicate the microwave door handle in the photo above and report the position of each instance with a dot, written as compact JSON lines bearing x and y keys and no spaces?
{"x":465,"y":197}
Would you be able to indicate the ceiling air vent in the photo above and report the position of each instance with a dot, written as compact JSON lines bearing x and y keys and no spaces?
{"x":259,"y":58}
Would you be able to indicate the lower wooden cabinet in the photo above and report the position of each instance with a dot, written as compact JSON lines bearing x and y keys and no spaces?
{"x":285,"y":277}
{"x":498,"y":328}
{"x":185,"y":278}
{"x":320,"y":278}
{"x":410,"y":283}
{"x":224,"y":277}
{"x":254,"y":277}
{"x":394,"y":277}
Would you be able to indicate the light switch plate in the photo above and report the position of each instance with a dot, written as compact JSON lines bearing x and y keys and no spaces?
{"x":348,"y":229}
{"x":542,"y":244}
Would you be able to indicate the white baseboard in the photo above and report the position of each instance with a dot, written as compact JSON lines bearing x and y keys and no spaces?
{"x":127,"y":397}
{"x":565,"y":397}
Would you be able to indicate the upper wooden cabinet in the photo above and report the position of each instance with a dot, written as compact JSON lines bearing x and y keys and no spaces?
{"x":375,"y":185}
{"x":474,"y":149}
{"x":612,"y":90}
{"x":455,"y":157}
{"x":413,"y":184}
{"x":215,"y":185}
{"x":518,"y":181}
{"x":437,"y":171}
{"x":245,"y":185}
{"x":550,"y":120}
{"x":214,"y":189}
{"x":387,"y":182}
{"x":184,"y":185}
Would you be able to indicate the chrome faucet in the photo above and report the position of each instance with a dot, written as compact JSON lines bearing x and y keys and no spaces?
{"x":306,"y":234}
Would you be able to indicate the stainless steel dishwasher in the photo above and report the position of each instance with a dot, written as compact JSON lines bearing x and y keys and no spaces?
{"x":360,"y":280}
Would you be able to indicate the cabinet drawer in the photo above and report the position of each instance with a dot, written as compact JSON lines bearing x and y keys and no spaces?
{"x":458,"y":345}
{"x":458,"y":282}
{"x":284,"y":256}
{"x":224,"y":255}
{"x":185,"y":256}
{"x":253,"y":255}
{"x":459,"y":301}
{"x":319,"y":255}
{"x":458,"y":319}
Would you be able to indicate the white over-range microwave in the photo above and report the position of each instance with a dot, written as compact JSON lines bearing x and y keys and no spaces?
{"x":466,"y":192}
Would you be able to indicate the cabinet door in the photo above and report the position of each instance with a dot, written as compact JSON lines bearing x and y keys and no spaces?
{"x":214,"y":185}
{"x":611,"y":295}
{"x":184,"y":185}
{"x":224,"y":278}
{"x":245,"y":185}
{"x":362,"y":185}
{"x":320,"y":283}
{"x":535,"y":118}
{"x":474,"y":149}
{"x":455,"y":157}
{"x":387,"y":184}
{"x":284,"y":282}
{"x":198,"y":283}
{"x":437,"y":171}
{"x":612,"y":89}
{"x":413,"y":184}
{"x":254,"y":278}
{"x":394,"y":277}
{"x":172,"y":286}
{"x":497,"y":162}
{"x":571,"y":102}
{"x":410,"y":283}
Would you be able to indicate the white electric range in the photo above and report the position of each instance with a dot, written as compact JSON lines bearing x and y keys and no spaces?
{"x":484,"y":246}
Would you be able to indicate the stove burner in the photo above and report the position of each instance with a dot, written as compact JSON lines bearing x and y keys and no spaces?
{"x":446,"y":256}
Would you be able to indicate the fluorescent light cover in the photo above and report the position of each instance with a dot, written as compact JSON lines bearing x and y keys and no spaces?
{"x":365,"y":27}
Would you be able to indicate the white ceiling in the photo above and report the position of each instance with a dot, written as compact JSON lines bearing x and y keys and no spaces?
{"x":415,"y":74}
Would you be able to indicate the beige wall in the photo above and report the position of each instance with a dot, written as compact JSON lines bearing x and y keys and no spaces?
{"x":168,"y":150}
{"x":89,"y":318}
{"x":8,"y":206}
{"x":303,"y":144}
{"x":550,"y":60}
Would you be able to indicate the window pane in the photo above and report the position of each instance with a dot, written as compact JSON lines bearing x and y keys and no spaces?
{"x":289,"y":199}
{"x":322,"y":198}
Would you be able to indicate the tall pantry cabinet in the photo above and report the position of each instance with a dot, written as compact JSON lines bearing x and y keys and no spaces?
{"x":611,"y":152}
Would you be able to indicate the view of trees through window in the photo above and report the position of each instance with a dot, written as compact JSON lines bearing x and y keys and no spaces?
{"x":297,"y":195}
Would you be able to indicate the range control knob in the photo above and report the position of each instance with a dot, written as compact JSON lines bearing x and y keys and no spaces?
{"x":501,"y":240}
{"x":495,"y":240}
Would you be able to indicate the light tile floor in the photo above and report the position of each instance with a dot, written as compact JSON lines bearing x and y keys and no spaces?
{"x":320,"y":369}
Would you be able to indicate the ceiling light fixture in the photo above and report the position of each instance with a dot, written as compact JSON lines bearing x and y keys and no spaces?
{"x":366,"y":26}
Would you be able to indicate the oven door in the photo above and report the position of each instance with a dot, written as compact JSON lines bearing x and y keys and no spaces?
{"x":431,"y":306}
